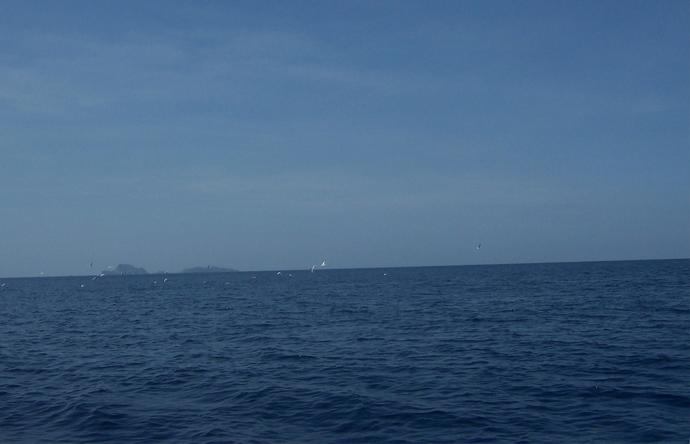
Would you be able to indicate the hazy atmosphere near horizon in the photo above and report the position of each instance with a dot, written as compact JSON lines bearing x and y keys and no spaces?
{"x":269,"y":135}
{"x":460,"y":221}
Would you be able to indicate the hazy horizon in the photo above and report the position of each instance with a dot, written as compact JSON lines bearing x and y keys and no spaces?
{"x":269,"y":135}
{"x":383,"y":267}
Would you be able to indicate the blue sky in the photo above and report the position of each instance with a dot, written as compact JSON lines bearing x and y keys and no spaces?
{"x":269,"y":135}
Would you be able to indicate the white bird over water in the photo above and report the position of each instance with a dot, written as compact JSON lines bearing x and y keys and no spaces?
{"x":323,"y":264}
{"x":479,"y":246}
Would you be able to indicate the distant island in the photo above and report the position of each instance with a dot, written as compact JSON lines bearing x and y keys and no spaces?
{"x":208,"y":269}
{"x":124,"y":269}
{"x":127,"y":269}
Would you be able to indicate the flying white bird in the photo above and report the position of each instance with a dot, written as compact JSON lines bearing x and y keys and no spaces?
{"x":323,"y":264}
{"x":478,"y":247}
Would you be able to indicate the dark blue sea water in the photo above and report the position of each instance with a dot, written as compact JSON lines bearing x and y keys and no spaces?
{"x":582,"y":352}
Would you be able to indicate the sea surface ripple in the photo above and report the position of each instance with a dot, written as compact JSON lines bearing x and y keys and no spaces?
{"x":579,"y":352}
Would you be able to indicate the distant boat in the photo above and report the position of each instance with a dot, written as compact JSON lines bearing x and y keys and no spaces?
{"x":312,"y":268}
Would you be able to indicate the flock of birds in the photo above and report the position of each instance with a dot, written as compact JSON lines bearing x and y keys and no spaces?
{"x":165,"y":279}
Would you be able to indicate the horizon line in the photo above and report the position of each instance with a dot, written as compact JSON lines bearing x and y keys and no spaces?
{"x":360,"y":268}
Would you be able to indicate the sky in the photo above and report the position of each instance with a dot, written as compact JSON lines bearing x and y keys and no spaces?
{"x":272,"y":135}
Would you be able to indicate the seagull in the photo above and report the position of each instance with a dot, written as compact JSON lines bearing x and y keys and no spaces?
{"x":165,"y":280}
{"x":278,"y":274}
{"x":312,"y":268}
{"x":479,"y":246}
{"x":323,"y":264}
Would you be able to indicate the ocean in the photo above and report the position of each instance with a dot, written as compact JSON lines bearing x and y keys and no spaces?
{"x":572,"y":352}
